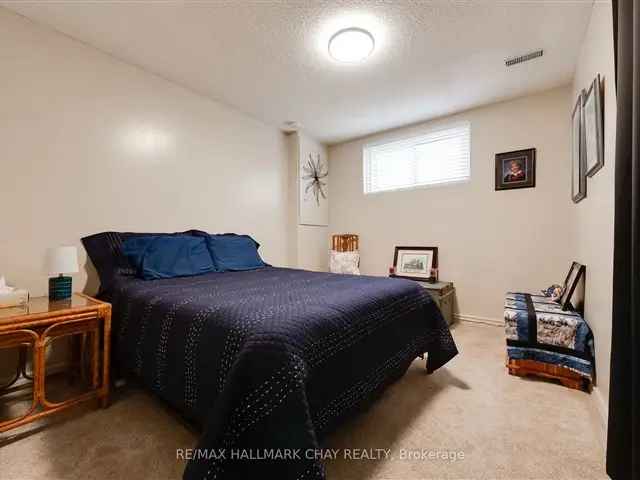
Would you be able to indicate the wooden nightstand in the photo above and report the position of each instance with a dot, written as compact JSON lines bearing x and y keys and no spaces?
{"x":442,"y":293}
{"x":39,"y":323}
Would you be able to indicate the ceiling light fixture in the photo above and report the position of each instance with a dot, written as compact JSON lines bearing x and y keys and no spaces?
{"x":351,"y":45}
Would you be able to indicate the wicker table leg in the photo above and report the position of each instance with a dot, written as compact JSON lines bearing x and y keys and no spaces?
{"x":106,"y":356}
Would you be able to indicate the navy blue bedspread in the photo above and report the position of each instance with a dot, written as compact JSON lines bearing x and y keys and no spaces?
{"x":273,"y":358}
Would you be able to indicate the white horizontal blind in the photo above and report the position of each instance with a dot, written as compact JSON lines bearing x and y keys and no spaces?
{"x":441,"y":156}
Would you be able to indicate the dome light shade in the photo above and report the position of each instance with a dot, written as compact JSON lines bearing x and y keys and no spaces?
{"x":351,"y":45}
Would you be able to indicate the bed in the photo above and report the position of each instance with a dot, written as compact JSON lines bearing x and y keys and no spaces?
{"x":268,"y":361}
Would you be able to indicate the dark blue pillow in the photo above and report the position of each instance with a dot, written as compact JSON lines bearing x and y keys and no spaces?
{"x":231,"y":252}
{"x":134,"y":249}
{"x":105,"y":251}
{"x":175,"y":256}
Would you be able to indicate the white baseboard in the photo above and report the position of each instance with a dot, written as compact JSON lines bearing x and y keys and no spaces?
{"x":476,"y":319}
{"x":602,"y":411}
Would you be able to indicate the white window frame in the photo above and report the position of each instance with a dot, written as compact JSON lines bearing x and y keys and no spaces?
{"x":405,"y":138}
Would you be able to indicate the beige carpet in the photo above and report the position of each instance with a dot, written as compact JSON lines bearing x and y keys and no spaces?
{"x":493,"y":425}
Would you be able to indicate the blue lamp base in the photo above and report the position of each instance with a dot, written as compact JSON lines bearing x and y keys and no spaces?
{"x":59,"y":288}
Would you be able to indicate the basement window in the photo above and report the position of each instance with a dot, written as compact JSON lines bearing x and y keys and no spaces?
{"x":434,"y":158}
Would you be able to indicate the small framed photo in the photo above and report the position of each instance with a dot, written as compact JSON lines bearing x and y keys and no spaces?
{"x":415,"y":263}
{"x":578,"y":177}
{"x":570,"y":283}
{"x":516,"y":169}
{"x":594,"y":136}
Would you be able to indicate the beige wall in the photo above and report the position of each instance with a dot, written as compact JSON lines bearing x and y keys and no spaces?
{"x":90,"y":143}
{"x":311,"y":242}
{"x":489,"y":242}
{"x":592,"y":218}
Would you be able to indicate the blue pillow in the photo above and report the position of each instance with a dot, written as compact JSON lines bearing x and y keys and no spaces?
{"x":134,"y":249}
{"x":105,"y":250}
{"x":175,"y":256}
{"x":231,"y":252}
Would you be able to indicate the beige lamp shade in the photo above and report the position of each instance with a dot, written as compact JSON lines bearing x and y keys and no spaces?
{"x":62,"y":260}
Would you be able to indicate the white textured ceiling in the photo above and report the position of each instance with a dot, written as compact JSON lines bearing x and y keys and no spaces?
{"x":269,"y":58}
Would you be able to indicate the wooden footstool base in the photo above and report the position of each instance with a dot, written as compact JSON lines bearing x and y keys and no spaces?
{"x":567,"y":377}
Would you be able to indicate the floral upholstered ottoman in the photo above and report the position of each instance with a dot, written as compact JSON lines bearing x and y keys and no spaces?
{"x":546,"y":341}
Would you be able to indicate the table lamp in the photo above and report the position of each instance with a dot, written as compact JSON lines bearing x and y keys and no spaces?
{"x":61,"y":260}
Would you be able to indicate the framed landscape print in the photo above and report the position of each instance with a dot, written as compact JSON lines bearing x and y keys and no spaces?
{"x":578,"y":177}
{"x":592,"y":121}
{"x":415,"y":263}
{"x":516,"y":169}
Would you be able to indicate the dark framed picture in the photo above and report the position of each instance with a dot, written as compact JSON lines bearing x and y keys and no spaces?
{"x":570,"y":283}
{"x":593,"y":131}
{"x":516,"y":169}
{"x":578,"y":177}
{"x":415,"y":263}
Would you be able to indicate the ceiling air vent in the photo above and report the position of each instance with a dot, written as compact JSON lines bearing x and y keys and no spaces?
{"x":523,"y":58}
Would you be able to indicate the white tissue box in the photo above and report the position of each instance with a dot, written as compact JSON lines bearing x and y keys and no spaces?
{"x":14,"y":298}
